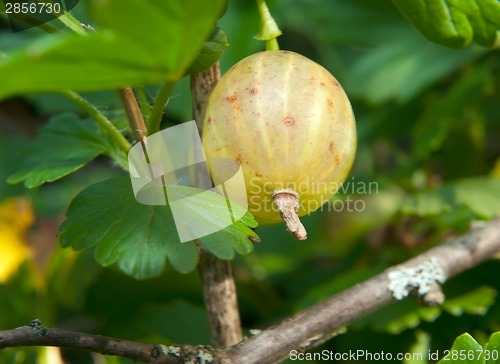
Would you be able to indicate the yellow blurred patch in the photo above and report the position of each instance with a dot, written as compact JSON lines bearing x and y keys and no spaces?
{"x":16,"y":216}
{"x":495,"y":172}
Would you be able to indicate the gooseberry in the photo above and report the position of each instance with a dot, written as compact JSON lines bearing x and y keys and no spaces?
{"x":289,"y":124}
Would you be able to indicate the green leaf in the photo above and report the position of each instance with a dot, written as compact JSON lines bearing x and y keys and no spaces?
{"x":236,"y":238}
{"x":211,"y":211}
{"x":400,"y":316}
{"x":430,"y":203}
{"x":408,"y":70}
{"x":476,"y":302}
{"x":454,"y":23}
{"x":446,"y":111}
{"x":63,"y":146}
{"x":210,"y":52}
{"x":138,"y":42}
{"x":492,"y":349}
{"x":481,"y":195}
{"x":409,"y":314}
{"x":465,"y":350}
{"x":139,"y":238}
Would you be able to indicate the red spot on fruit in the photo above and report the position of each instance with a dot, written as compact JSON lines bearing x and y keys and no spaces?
{"x":218,"y":149}
{"x":253,"y":91}
{"x":238,"y":159}
{"x":257,"y":174}
{"x":337,"y":159}
{"x":322,"y":84}
{"x":289,"y":120}
{"x":330,"y":102}
{"x":231,"y":98}
{"x":337,"y":84}
{"x":209,"y":120}
{"x":331,"y":147}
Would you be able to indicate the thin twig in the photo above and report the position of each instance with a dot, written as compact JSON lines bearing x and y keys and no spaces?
{"x":101,"y":119}
{"x":143,"y":101}
{"x":219,"y":289}
{"x":159,"y":104}
{"x":134,"y":115}
{"x":71,"y":22}
{"x":147,"y":353}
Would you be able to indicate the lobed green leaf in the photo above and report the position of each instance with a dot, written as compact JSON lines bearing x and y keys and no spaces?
{"x":63,"y":146}
{"x":140,"y":238}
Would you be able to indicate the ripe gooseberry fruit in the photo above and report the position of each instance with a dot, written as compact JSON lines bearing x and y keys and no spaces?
{"x":289,"y":124}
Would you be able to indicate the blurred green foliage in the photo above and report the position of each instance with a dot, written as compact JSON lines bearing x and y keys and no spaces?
{"x":428,"y":121}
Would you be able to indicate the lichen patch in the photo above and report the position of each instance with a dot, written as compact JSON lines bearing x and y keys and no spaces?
{"x":421,"y":279}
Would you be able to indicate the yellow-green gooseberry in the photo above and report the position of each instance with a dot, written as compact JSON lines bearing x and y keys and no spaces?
{"x":289,"y":124}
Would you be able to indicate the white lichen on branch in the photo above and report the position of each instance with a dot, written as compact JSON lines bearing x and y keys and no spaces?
{"x":420,"y":279}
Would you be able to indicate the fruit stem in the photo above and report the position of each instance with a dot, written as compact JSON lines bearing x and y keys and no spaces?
{"x":287,"y":202}
{"x":269,"y":30}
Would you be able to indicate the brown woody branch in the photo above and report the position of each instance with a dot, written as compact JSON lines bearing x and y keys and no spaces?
{"x":309,"y":326}
{"x":305,"y":330}
{"x":219,"y":290}
{"x":202,"y":85}
{"x":147,"y":353}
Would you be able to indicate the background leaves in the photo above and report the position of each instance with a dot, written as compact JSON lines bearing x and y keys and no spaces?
{"x":454,"y":23}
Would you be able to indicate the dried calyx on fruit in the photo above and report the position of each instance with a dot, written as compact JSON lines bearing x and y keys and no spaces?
{"x":289,"y":124}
